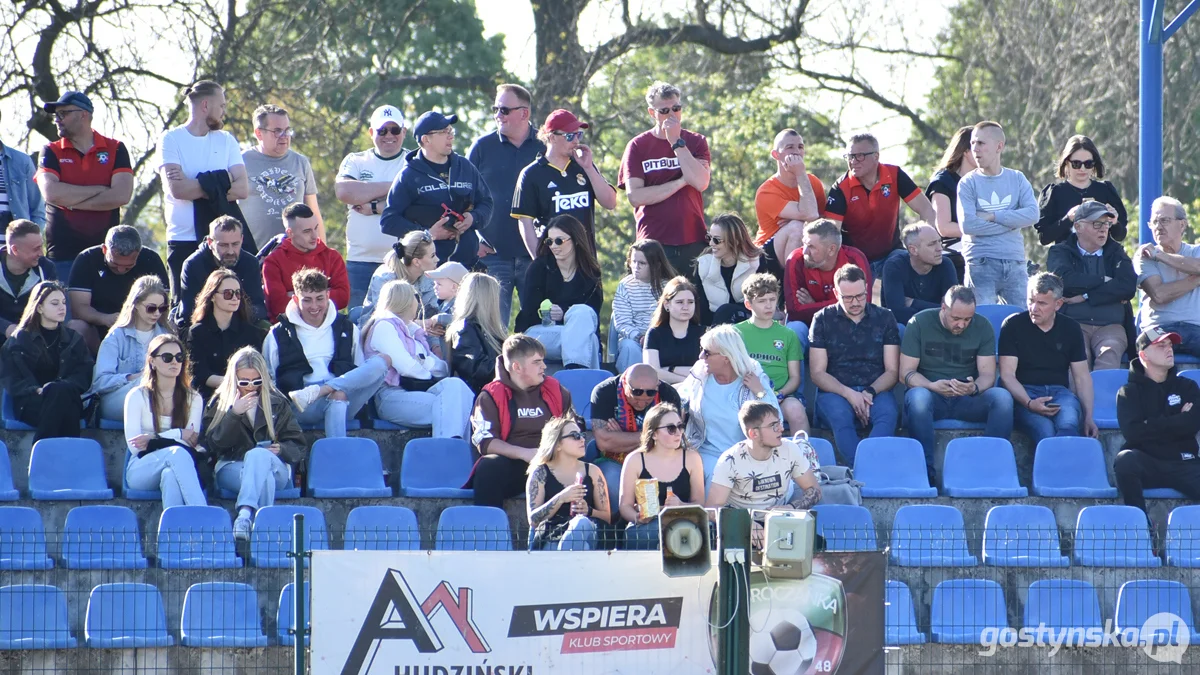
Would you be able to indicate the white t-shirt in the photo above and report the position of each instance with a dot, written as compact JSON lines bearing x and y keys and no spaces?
{"x":755,"y":484}
{"x":195,"y":154}
{"x":365,"y":241}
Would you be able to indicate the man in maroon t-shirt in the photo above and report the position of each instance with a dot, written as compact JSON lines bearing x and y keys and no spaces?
{"x":663,"y":172}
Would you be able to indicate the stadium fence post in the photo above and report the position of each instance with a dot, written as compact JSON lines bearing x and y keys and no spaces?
{"x":733,"y":536}
{"x":299,"y":600}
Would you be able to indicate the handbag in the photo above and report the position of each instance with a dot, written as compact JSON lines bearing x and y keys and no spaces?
{"x":417,"y":384}
{"x":205,"y":464}
{"x":836,"y":482}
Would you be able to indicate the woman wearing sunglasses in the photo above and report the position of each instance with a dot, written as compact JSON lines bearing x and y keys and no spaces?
{"x":565,"y":276}
{"x":46,"y":366}
{"x":566,"y":497}
{"x":662,"y":457}
{"x":122,"y":355}
{"x":220,"y":325}
{"x":410,"y":260}
{"x":1079,"y":171}
{"x":249,"y":426}
{"x":730,"y":259}
{"x":162,"y":427}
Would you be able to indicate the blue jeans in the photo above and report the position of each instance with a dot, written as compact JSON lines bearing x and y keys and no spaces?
{"x":575,"y":341}
{"x":1039,"y":427}
{"x":256,"y":478}
{"x":837,"y":414}
{"x":991,"y":278}
{"x":642,"y":537}
{"x":360,"y":280}
{"x":581,"y":535}
{"x":359,"y":385}
{"x":922,"y":408}
{"x":510,"y":272}
{"x":1190,"y":333}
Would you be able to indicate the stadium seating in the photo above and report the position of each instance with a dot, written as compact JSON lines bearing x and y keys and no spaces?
{"x":196,"y":538}
{"x":7,"y":492}
{"x":110,"y":425}
{"x":68,"y":469}
{"x":900,"y":620}
{"x":929,"y":535}
{"x":34,"y":616}
{"x":1113,"y":536}
{"x":473,"y":528}
{"x":436,"y":467}
{"x":221,"y":614}
{"x":382,"y":528}
{"x":892,"y":467}
{"x":346,"y":468}
{"x":1062,"y":604}
{"x":947,"y":424}
{"x":845,"y":527}
{"x":1139,"y":600}
{"x":1193,"y":374}
{"x":981,"y":467}
{"x":22,"y":540}
{"x":963,"y":608}
{"x":136,"y":495}
{"x":8,"y":415}
{"x":590,"y":452}
{"x":996,"y":314}
{"x":271,"y":536}
{"x":124,"y":616}
{"x":285,"y":615}
{"x":1022,"y":535}
{"x":102,"y":538}
{"x":580,"y":382}
{"x":353,"y":424}
{"x":825,"y":453}
{"x":1183,"y":537}
{"x":1072,"y":467}
{"x":1163,"y":493}
{"x":1105,"y":385}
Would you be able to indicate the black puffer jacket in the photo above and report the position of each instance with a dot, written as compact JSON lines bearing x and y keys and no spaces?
{"x":1152,"y":417}
{"x":472,"y":361}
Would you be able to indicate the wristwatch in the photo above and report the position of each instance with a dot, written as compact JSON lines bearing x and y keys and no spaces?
{"x":678,"y":144}
{"x":760,"y":395}
{"x":374,"y":206}
{"x":1084,"y":296}
{"x":869,"y":390}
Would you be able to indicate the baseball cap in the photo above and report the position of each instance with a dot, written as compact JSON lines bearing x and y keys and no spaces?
{"x":1091,"y":211}
{"x":432,"y":121}
{"x":1156,"y":334}
{"x":75,"y":98}
{"x":455,"y":271}
{"x":564,"y":121}
{"x":384,"y":114}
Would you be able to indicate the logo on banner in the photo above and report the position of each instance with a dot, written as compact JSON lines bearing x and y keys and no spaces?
{"x":621,"y":625}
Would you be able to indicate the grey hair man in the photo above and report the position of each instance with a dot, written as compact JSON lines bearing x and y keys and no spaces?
{"x":1169,"y":276}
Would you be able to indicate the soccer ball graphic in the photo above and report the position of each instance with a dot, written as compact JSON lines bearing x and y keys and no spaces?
{"x":785,"y":645}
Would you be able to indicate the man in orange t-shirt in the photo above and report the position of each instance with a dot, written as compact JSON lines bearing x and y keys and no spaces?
{"x":782,"y":209}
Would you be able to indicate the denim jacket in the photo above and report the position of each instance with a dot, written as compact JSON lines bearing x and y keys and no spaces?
{"x":120,"y":355}
{"x":24,"y":197}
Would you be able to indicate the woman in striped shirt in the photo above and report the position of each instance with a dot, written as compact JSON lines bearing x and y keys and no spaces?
{"x":637,"y":297}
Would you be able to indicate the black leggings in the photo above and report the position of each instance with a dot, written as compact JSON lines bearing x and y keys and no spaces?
{"x":497,"y":478}
{"x":54,"y":414}
{"x":1137,"y":470}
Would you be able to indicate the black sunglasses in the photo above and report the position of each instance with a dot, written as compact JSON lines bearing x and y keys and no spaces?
{"x":395,"y":131}
{"x":231,"y":293}
{"x":643,"y":392}
{"x":504,"y":110}
{"x":666,"y":111}
{"x":171,"y":357}
{"x":573,"y":435}
{"x":1084,"y":164}
{"x":250,"y":383}
{"x":573,"y":136}
{"x":713,"y":241}
{"x":559,"y":241}
{"x":671,"y":428}
{"x":157,"y":309}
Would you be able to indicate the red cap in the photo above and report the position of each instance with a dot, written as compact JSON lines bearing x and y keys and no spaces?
{"x":563,"y":120}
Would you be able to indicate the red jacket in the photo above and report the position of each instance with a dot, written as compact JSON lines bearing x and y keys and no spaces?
{"x":280,"y":264}
{"x":819,"y":283}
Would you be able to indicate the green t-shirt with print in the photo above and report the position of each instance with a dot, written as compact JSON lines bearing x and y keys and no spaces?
{"x":944,"y":355}
{"x":772,"y":347}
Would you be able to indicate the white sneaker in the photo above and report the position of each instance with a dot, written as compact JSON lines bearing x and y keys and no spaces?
{"x":305,"y":397}
{"x":241,"y":528}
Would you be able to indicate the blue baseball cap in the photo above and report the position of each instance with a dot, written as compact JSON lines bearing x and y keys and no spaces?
{"x":75,"y":98}
{"x":432,"y":121}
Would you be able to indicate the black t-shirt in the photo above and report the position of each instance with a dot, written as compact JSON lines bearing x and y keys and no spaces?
{"x":604,"y":399}
{"x":727,"y":276}
{"x":15,"y":281}
{"x":1043,"y":357}
{"x":443,"y":169}
{"x":945,"y":182}
{"x":90,"y":273}
{"x":673,"y":351}
{"x":545,"y":191}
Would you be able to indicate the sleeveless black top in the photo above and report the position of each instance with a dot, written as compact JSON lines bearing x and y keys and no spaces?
{"x":554,"y":527}
{"x":681,"y":486}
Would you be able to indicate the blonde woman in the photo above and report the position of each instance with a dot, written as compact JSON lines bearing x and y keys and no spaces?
{"x":122,"y":355}
{"x":251,"y":429}
{"x":477,"y":331}
{"x":411,"y":259}
{"x":565,"y":496}
{"x":162,"y":426}
{"x":663,"y":456}
{"x":417,"y":390}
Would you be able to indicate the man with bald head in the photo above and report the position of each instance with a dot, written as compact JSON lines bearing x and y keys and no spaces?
{"x":788,"y":200}
{"x":917,"y":277}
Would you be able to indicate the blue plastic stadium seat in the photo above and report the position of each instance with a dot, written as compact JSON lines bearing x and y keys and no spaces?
{"x":1105,"y":385}
{"x":436,"y":467}
{"x":1192,"y":374}
{"x":111,"y":425}
{"x":958,"y":425}
{"x":996,"y":314}
{"x":1062,"y":605}
{"x":221,"y":614}
{"x":1113,"y":536}
{"x":382,"y":528}
{"x":473,"y":528}
{"x":846,"y":527}
{"x":900,"y":620}
{"x":285,"y":615}
{"x":1137,"y":601}
{"x":34,"y":616}
{"x":825,"y":453}
{"x":7,"y":492}
{"x":68,"y":469}
{"x":1072,"y":467}
{"x":1163,"y":493}
{"x":981,"y":467}
{"x":580,"y":382}
{"x":929,"y":535}
{"x":963,"y":608}
{"x":136,"y":495}
{"x":892,"y":466}
{"x":1183,"y":537}
{"x":1022,"y":535}
{"x":8,"y":415}
{"x":347,"y":468}
{"x":22,"y":540}
{"x":126,"y":616}
{"x":591,"y":453}
{"x":271,"y":536}
{"x":196,"y":538}
{"x":102,"y":538}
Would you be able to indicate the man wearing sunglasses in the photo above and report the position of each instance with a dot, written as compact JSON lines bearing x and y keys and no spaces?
{"x":278,"y":176}
{"x":664,"y":172}
{"x":102,"y":277}
{"x":222,"y":248}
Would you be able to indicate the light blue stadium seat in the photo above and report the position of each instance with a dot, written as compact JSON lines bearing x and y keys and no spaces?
{"x":580,"y":382}
{"x":1062,"y":605}
{"x":1192,"y":374}
{"x":963,"y":608}
{"x":285,"y":616}
{"x":996,"y":314}
{"x":7,"y":492}
{"x":981,"y":467}
{"x":1163,"y":493}
{"x":436,"y":467}
{"x":8,"y":415}
{"x":1183,"y":537}
{"x":68,"y":469}
{"x":1139,"y":600}
{"x":346,"y":468}
{"x":196,"y":538}
{"x":136,"y":495}
{"x":271,"y":535}
{"x":929,"y":535}
{"x":126,"y":616}
{"x":34,"y":616}
{"x":382,"y":528}
{"x":102,"y":538}
{"x":473,"y":528}
{"x":892,"y":466}
{"x":221,"y":614}
{"x":111,"y":425}
{"x":824,"y":448}
{"x":846,"y":527}
{"x":1111,"y":535}
{"x":1105,"y":385}
{"x":900,"y":620}
{"x":1022,"y":535}
{"x":1072,"y":467}
{"x":22,"y":540}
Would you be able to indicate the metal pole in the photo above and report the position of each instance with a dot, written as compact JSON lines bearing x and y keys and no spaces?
{"x":1150,"y":114}
{"x":299,"y":601}
{"x":733,"y":644}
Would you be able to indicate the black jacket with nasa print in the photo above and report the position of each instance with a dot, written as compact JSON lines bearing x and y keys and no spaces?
{"x":1152,"y":417}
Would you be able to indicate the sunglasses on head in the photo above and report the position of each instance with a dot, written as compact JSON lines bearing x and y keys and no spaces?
{"x":559,"y":241}
{"x":257,"y":382}
{"x":573,"y":136}
{"x":643,"y":392}
{"x":504,"y":110}
{"x":156,"y":309}
{"x":713,"y":241}
{"x":1084,"y":164}
{"x":667,"y":111}
{"x":171,"y":357}
{"x":393,"y":130}
{"x":573,"y":435}
{"x":670,"y":428}
{"x":231,"y":293}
